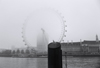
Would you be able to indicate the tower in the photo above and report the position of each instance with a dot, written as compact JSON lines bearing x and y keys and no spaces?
{"x":97,"y":40}
{"x":42,"y":41}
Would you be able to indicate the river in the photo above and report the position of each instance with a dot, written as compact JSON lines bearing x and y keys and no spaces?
{"x":72,"y":62}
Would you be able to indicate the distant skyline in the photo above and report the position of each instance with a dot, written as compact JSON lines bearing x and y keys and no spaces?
{"x":82,"y":19}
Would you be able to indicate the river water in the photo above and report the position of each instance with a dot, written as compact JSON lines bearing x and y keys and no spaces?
{"x":72,"y":62}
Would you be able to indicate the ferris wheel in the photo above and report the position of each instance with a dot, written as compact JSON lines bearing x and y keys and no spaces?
{"x":48,"y":20}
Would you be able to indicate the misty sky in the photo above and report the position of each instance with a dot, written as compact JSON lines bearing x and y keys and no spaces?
{"x":82,"y":19}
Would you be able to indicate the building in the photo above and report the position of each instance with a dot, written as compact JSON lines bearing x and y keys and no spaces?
{"x":82,"y":47}
{"x":71,"y":48}
{"x":92,"y":46}
{"x":42,"y":41}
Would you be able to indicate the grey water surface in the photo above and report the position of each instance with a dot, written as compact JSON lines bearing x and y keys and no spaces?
{"x":72,"y":62}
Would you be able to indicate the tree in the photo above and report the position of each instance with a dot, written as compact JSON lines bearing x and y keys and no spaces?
{"x":27,"y":51}
{"x":6,"y":53}
{"x":18,"y":51}
{"x":13,"y":52}
{"x":22,"y":51}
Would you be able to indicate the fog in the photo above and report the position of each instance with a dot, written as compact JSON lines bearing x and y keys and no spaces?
{"x":82,"y":19}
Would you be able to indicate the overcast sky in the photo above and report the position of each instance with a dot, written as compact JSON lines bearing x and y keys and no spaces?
{"x":82,"y":19}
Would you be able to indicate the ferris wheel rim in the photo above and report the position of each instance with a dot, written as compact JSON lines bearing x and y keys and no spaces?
{"x":61,"y":38}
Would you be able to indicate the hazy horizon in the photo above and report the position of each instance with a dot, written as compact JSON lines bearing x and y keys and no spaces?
{"x":82,"y":19}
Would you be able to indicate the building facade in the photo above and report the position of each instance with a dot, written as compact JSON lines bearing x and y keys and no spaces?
{"x":82,"y":47}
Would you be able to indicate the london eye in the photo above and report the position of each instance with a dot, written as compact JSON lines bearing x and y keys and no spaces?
{"x":45,"y":22}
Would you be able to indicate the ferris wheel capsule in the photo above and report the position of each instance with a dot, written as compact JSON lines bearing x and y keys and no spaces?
{"x":64,"y":35}
{"x":64,"y":21}
{"x":65,"y":25}
{"x":22,"y":36}
{"x":65,"y":30}
{"x":62,"y":16}
{"x":23,"y":40}
{"x":25,"y":44}
{"x":62,"y":40}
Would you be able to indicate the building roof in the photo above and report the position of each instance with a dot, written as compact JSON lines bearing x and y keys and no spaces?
{"x":90,"y":42}
{"x":71,"y":44}
{"x":79,"y":43}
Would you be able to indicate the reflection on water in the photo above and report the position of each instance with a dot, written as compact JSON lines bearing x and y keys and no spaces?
{"x":23,"y":62}
{"x":83,"y":62}
{"x":72,"y":62}
{"x":17,"y":63}
{"x":42,"y":63}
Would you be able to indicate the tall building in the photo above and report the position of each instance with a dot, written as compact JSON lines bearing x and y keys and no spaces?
{"x":42,"y":41}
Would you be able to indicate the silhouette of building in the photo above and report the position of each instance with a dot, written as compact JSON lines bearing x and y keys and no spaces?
{"x":97,"y":39}
{"x":23,"y":51}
